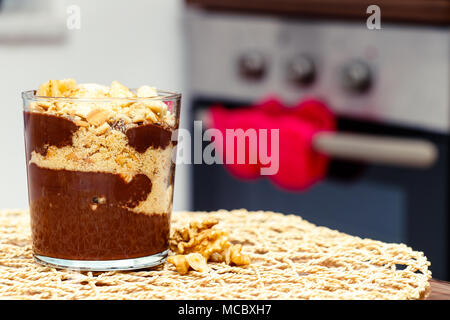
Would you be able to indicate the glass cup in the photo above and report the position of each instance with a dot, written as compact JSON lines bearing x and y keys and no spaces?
{"x":100,"y":196}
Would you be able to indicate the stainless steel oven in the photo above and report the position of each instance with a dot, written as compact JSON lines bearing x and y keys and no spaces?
{"x":392,"y":82}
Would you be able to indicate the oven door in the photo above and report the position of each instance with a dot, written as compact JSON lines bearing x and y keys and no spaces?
{"x":387,"y":203}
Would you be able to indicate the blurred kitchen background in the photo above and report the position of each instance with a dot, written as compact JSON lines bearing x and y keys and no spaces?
{"x":392,"y":82}
{"x":136,"y":42}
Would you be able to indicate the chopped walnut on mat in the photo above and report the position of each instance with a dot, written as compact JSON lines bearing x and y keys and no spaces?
{"x":199,"y":243}
{"x":193,"y":260}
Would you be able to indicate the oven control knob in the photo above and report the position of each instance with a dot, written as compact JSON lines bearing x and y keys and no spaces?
{"x":356,"y":76}
{"x":301,"y":70}
{"x":252,"y":65}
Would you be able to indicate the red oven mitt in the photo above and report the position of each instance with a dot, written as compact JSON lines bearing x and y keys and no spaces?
{"x":300,"y":166}
{"x":244,"y":119}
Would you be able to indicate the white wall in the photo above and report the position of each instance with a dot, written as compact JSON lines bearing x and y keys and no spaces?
{"x":135,"y":41}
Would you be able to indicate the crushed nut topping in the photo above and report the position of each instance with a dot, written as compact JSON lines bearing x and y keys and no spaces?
{"x":57,"y":88}
{"x":146,"y":92}
{"x":200,"y":239}
{"x":97,"y":113}
{"x":98,"y":116}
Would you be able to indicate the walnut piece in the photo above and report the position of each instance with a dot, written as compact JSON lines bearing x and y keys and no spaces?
{"x":180,"y":262}
{"x":98,"y":116}
{"x":56,"y":88}
{"x":89,"y":90}
{"x":197,"y":262}
{"x":102,"y":129}
{"x":82,"y":123}
{"x":146,"y":92}
{"x":118,"y":90}
{"x":237,"y":257}
{"x":200,"y":239}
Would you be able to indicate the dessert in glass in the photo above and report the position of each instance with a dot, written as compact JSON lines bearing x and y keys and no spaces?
{"x":100,"y":170}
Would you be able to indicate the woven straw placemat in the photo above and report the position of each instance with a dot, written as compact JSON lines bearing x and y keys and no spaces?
{"x":291,"y":259}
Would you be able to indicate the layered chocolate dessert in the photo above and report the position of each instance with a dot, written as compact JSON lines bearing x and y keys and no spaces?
{"x":100,"y":170}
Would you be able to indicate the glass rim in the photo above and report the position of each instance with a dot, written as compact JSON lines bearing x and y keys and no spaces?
{"x":163,"y":95}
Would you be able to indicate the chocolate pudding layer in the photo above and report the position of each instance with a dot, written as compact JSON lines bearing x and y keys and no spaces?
{"x":89,"y":217}
{"x":100,"y":181}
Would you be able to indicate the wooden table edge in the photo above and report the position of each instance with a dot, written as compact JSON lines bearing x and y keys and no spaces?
{"x":440,"y":290}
